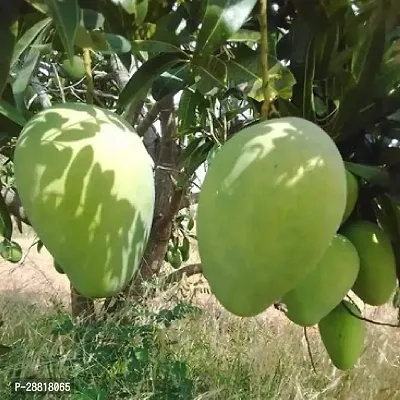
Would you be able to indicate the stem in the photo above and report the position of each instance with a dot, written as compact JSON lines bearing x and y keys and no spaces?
{"x":264,"y":57}
{"x":87,"y":61}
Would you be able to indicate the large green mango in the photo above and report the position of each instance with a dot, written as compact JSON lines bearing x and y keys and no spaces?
{"x":269,"y":206}
{"x":377,"y":279}
{"x":343,"y":335}
{"x":86,"y":182}
{"x":326,"y":285}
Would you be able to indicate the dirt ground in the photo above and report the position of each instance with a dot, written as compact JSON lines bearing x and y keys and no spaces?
{"x":36,"y":279}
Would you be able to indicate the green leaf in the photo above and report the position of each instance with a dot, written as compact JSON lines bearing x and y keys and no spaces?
{"x":210,"y":75}
{"x":108,"y":43}
{"x":302,"y":65}
{"x":154,"y":46}
{"x":6,"y":226}
{"x":319,"y":14}
{"x":11,"y":113}
{"x":140,"y":82}
{"x":365,"y":67}
{"x":245,"y":35}
{"x":170,"y":82}
{"x":373,"y":175}
{"x":24,"y":76}
{"x":188,"y":103}
{"x":91,"y":19}
{"x":11,"y":251}
{"x":66,"y":16}
{"x":8,"y":33}
{"x":222,"y":19}
{"x":27,"y":38}
{"x":326,"y":48}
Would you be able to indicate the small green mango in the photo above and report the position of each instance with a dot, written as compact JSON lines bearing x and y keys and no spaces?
{"x":352,"y":195}
{"x":324,"y":287}
{"x":377,"y":278}
{"x":343,"y":335}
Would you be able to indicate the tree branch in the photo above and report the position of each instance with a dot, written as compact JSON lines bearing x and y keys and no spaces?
{"x":176,"y":276}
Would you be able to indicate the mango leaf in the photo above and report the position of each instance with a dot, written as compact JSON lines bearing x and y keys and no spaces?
{"x":8,"y":32}
{"x":326,"y":48}
{"x":302,"y":65}
{"x":6,"y":226}
{"x":374,"y":175}
{"x":188,"y":103}
{"x":153,"y":46}
{"x":319,"y":14}
{"x":140,"y":82}
{"x":365,"y":66}
{"x":222,"y":19}
{"x":170,"y":82}
{"x":210,"y":75}
{"x":11,"y":113}
{"x":66,"y":16}
{"x":108,"y":43}
{"x":91,"y":19}
{"x":27,"y":38}
{"x":243,"y":73}
{"x":25,"y":74}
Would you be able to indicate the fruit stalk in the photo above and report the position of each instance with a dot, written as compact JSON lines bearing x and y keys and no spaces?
{"x":264,"y":57}
{"x":87,"y":60}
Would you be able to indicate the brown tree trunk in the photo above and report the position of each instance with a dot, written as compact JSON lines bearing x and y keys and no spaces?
{"x":81,"y":306}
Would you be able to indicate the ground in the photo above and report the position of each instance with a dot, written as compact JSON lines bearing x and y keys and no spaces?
{"x":36,"y":279}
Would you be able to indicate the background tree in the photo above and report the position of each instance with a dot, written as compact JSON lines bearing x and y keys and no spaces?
{"x":194,"y":68}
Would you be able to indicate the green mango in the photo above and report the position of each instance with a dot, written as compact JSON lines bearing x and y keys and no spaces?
{"x":269,"y":206}
{"x":324,"y":287}
{"x":352,"y":195}
{"x":377,"y":279}
{"x":343,"y":335}
{"x":86,"y":183}
{"x":75,"y":69}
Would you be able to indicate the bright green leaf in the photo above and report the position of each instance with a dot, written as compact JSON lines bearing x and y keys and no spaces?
{"x":66,"y":16}
{"x":222,"y":19}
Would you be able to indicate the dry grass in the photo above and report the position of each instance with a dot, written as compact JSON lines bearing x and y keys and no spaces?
{"x":225,"y":357}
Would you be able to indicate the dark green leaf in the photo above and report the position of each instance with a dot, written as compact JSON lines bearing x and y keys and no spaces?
{"x":11,"y":251}
{"x":286,"y":108}
{"x":27,"y":38}
{"x":6,"y":226}
{"x":153,"y":46}
{"x":140,"y":82}
{"x":11,"y":113}
{"x":66,"y":15}
{"x":366,"y":64}
{"x":222,"y":19}
{"x":91,"y":19}
{"x":211,"y":75}
{"x":170,"y":82}
{"x":24,"y":76}
{"x":374,"y":175}
{"x":108,"y":43}
{"x":8,"y":32}
{"x":188,"y":103}
{"x":319,"y":14}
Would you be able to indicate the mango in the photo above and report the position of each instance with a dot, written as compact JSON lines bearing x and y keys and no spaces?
{"x":269,"y":206}
{"x":352,"y":195}
{"x":74,"y":68}
{"x":86,"y":182}
{"x":326,"y":285}
{"x":377,"y":279}
{"x":343,"y":335}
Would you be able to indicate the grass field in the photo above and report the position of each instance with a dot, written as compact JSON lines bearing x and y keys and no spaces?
{"x":171,"y":350}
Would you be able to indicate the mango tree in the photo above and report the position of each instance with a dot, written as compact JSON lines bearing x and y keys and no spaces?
{"x":204,"y":71}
